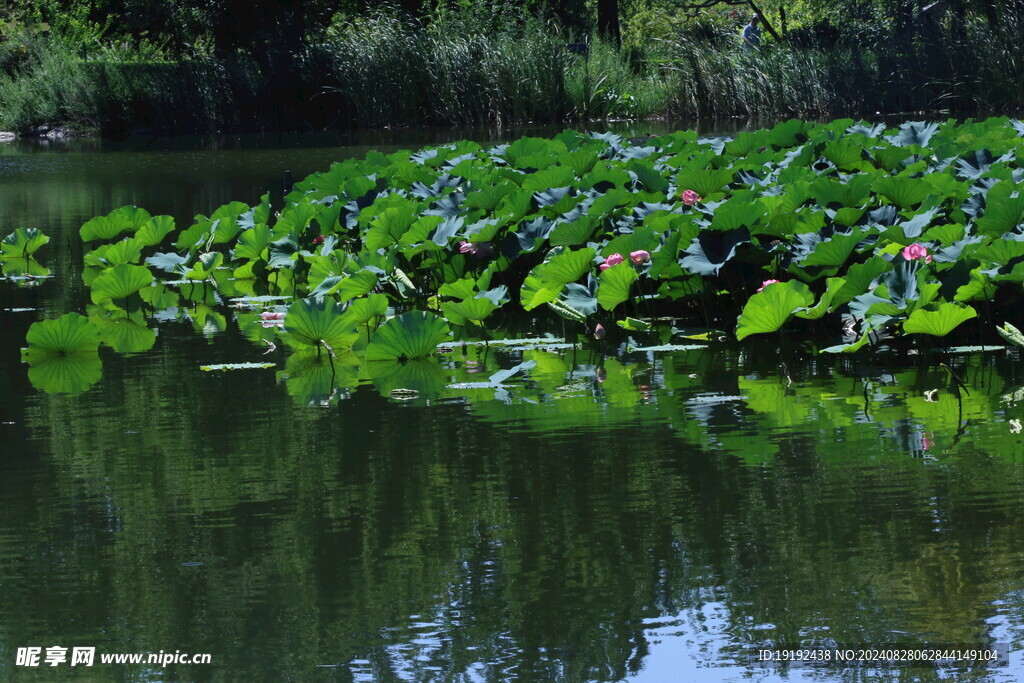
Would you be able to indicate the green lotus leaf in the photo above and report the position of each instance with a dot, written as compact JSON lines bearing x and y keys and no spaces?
{"x":939,"y":322}
{"x":252,"y":243}
{"x":549,"y":178}
{"x":315,"y":322}
{"x":704,"y":182}
{"x":411,"y":335}
{"x":356,"y":285}
{"x":114,"y":223}
{"x":903,"y":191}
{"x":22,"y":243}
{"x":832,"y":286}
{"x":978,"y":288}
{"x":788,"y":133}
{"x":205,"y":266}
{"x":70,"y":374}
{"x":833,"y":251}
{"x":533,"y":152}
{"x":563,"y":266}
{"x":471,"y":310}
{"x":388,"y":228}
{"x":125,"y":333}
{"x":890,"y":158}
{"x":641,"y":239}
{"x":198,"y":236}
{"x":160,"y":296}
{"x":488,"y":196}
{"x":71,"y":333}
{"x":615,"y":283}
{"x":120,"y":282}
{"x":648,"y":177}
{"x":852,"y":193}
{"x":1002,"y":214}
{"x":844,"y":154}
{"x":155,"y":230}
{"x":769,"y":309}
{"x":859,"y":278}
{"x":371,"y":307}
{"x":128,"y":250}
{"x":581,"y":161}
{"x":573,"y":233}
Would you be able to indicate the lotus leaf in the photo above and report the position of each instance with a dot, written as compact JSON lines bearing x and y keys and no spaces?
{"x":317,"y":322}
{"x":411,"y":335}
{"x":120,"y":282}
{"x":22,"y":243}
{"x":769,"y":309}
{"x":940,"y":322}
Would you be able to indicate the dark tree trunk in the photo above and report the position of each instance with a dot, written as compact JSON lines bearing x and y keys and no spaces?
{"x":608,"y":21}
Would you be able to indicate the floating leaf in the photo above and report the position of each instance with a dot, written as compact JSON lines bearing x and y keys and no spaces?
{"x":411,"y":335}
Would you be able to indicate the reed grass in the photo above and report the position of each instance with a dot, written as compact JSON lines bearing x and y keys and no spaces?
{"x":382,"y":70}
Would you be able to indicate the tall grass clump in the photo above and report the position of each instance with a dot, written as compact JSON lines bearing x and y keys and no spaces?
{"x":49,"y":84}
{"x":603,"y":84}
{"x":386,"y":70}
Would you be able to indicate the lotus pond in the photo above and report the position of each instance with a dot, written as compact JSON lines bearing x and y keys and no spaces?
{"x":581,"y":407}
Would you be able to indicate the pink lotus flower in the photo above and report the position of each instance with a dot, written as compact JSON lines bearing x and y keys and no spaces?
{"x":640,"y":257}
{"x":599,"y":331}
{"x":917,"y":251}
{"x":768,"y":282}
{"x":481,"y":250}
{"x":690,"y":197}
{"x":613,"y":260}
{"x":272,"y":315}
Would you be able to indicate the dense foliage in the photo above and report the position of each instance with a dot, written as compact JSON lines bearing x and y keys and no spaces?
{"x":119,"y":66}
{"x":845,"y":234}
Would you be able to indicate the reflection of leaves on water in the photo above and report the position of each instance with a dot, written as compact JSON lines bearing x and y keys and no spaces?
{"x":69,"y":374}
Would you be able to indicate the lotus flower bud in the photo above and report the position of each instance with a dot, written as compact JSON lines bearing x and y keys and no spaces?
{"x":766,"y":283}
{"x":640,"y":257}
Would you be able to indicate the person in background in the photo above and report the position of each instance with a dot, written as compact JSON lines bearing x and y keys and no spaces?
{"x":752,"y":34}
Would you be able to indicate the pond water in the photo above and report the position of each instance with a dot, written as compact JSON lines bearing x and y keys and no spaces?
{"x":642,"y":513}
